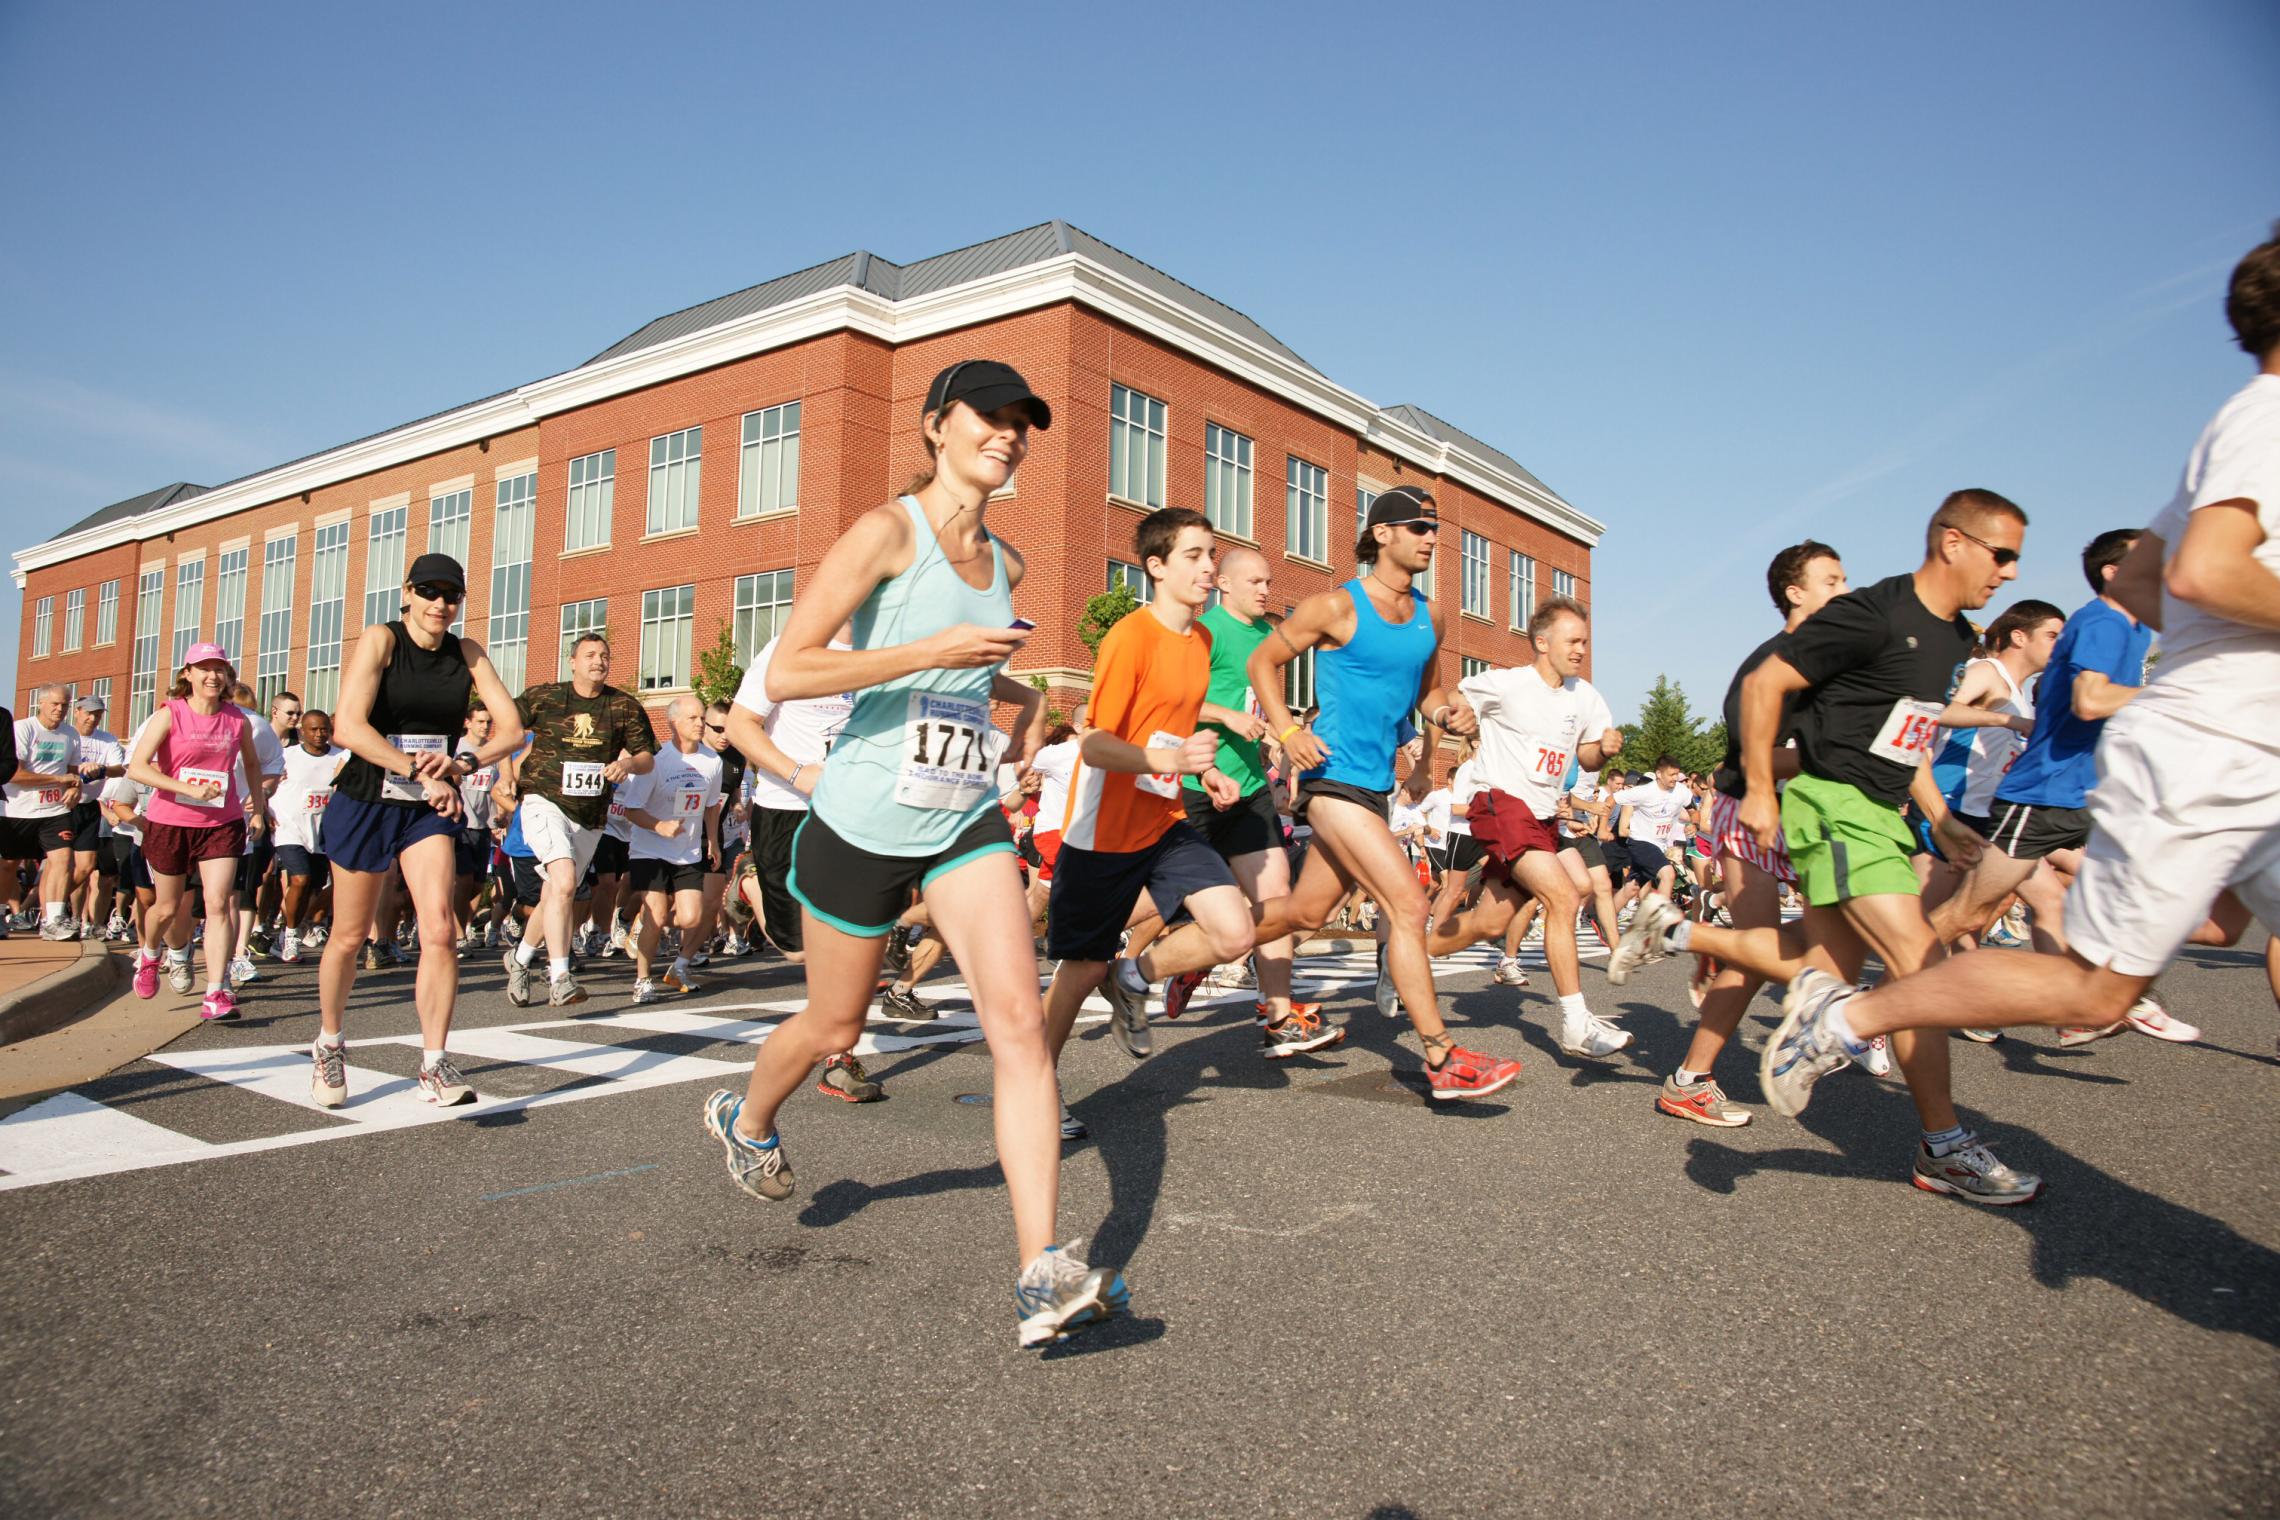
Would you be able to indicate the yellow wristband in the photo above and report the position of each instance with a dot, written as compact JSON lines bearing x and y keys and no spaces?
{"x":1284,"y":736}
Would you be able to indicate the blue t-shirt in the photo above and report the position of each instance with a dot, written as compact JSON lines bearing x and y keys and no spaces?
{"x":2060,"y":763}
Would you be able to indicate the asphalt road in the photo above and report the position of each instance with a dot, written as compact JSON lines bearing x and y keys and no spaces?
{"x":1347,"y":1300}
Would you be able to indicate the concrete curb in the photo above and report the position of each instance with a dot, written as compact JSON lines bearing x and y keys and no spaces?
{"x":60,"y":997}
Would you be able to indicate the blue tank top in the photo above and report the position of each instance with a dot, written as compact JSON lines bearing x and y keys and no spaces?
{"x":1366,"y":689}
{"x":917,"y":761}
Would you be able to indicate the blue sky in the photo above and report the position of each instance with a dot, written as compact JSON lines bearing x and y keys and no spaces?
{"x":1723,"y":276}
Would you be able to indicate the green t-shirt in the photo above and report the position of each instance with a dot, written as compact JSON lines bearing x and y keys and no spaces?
{"x":572,"y":739}
{"x":1232,"y":641}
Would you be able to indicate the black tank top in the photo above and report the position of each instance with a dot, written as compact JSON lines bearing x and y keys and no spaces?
{"x":422,"y":691}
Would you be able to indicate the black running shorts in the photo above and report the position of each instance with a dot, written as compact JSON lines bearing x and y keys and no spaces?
{"x":1094,"y":891}
{"x":1248,"y":828}
{"x":861,"y":893}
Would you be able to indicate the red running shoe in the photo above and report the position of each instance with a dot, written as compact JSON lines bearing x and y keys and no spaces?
{"x":1178,"y":990}
{"x":1311,"y":1010}
{"x":1469,"y":1074}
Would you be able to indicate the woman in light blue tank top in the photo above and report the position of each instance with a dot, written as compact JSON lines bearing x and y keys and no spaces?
{"x":908,"y":802}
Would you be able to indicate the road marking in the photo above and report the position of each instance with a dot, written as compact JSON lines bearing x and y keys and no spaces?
{"x":69,"y":1129}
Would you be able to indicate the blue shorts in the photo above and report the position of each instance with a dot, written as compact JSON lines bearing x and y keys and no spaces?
{"x":295,"y":861}
{"x":371,"y":836}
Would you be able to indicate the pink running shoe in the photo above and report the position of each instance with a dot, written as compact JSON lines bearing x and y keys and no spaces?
{"x":2148,"y":1017}
{"x":219,"y":1006}
{"x":146,"y":976}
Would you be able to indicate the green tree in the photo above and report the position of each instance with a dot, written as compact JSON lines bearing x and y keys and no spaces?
{"x":1667,"y":726}
{"x":719,"y":672}
{"x":1104,"y":612}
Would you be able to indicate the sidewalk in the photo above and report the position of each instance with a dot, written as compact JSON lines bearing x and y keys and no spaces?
{"x":68,"y":1014}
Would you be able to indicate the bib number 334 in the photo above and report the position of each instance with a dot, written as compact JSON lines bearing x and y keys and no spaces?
{"x":948,"y":751}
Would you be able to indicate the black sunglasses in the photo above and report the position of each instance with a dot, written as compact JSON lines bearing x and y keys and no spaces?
{"x":716,"y":728}
{"x":2002,"y":556}
{"x":437,"y":592}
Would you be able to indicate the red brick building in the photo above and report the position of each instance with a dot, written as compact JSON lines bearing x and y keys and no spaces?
{"x":691,"y":476}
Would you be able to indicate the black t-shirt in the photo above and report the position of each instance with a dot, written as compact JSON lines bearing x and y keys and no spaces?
{"x":1881,"y":666}
{"x":1729,"y":777}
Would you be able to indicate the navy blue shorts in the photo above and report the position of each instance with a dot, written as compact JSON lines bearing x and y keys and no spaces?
{"x":370,"y":836}
{"x":296,"y":861}
{"x":1094,"y":891}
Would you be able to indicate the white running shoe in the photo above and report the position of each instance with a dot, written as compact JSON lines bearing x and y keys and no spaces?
{"x":1509,"y":974}
{"x":1878,"y":1061}
{"x":1591,"y":1037}
{"x":2148,"y":1017}
{"x":244,"y":971}
{"x":1642,"y":937}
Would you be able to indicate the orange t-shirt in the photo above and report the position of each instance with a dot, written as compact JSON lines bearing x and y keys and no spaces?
{"x":1147,"y":689}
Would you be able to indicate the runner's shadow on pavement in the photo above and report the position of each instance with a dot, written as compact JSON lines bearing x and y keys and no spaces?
{"x":1118,"y":1334}
{"x":2088,"y":1224}
{"x":2045,"y":1061}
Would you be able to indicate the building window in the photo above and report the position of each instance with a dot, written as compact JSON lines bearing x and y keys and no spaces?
{"x":1135,"y":446}
{"x":328,"y":611}
{"x":229,"y":603}
{"x":1364,"y":499}
{"x":449,"y":519}
{"x":107,"y":614}
{"x":384,"y":565}
{"x":593,"y":492}
{"x":142,"y":689}
{"x":579,"y":618}
{"x":1523,"y":589}
{"x":1298,"y":679}
{"x":676,"y":465}
{"x":100,"y":688}
{"x":1128,"y":575}
{"x":1563,"y":584}
{"x":1227,"y":490}
{"x":768,"y":477}
{"x":74,"y":619}
{"x":189,"y":607}
{"x":667,"y":618}
{"x":1306,"y":504}
{"x":43,"y":625}
{"x":1473,"y":592}
{"x":512,"y":532}
{"x":273,"y":665}
{"x":1469,"y":666}
{"x":763,"y":601}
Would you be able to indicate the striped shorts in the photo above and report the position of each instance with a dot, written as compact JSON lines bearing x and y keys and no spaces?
{"x":1732,"y":839}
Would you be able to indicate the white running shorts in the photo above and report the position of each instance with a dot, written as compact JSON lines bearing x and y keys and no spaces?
{"x":552,"y":837}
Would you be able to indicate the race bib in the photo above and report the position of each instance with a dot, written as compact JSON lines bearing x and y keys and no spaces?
{"x":692,"y":799}
{"x":316,"y":800}
{"x":581,"y":778}
{"x":1908,"y":731}
{"x":409,"y":788}
{"x":1161,"y":783}
{"x":219,"y":778}
{"x":947,"y":756}
{"x":51,"y":796}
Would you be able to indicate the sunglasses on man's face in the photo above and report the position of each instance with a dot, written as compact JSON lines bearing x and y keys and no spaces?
{"x":1420,"y":527}
{"x":430,"y":591}
{"x":2002,"y":556}
{"x":715,"y":728}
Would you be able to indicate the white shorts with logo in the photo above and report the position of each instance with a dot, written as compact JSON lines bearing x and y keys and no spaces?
{"x":2178,"y":815}
{"x":552,"y":836}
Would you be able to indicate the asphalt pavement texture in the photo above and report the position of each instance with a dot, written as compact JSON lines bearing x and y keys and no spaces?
{"x":1346,"y":1300}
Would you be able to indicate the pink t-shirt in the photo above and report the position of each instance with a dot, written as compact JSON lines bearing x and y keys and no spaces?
{"x":200,"y":744}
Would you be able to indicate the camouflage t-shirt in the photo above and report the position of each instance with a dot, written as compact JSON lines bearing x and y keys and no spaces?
{"x":572,"y":739}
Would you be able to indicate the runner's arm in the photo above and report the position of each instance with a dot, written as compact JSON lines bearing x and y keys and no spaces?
{"x":1029,"y":728}
{"x":352,"y":717}
{"x":1315,"y":622}
{"x":2216,"y":568}
{"x":1764,"y":690}
{"x":256,"y":798}
{"x":142,"y":768}
{"x":749,"y":734}
{"x":2097,"y":695}
{"x":1968,"y":707}
{"x":2137,"y":580}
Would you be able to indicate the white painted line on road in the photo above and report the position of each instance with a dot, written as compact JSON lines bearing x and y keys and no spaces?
{"x":375,"y":1099}
{"x":68,"y":1129}
{"x":622,"y":1065}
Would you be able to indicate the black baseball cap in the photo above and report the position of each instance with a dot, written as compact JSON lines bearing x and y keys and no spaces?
{"x":436,"y":570}
{"x":1402,"y":504}
{"x":985,"y":385}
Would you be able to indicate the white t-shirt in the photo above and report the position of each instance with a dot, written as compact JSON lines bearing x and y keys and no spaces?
{"x":269,"y":750}
{"x":51,"y":752}
{"x":104,"y":749}
{"x":677,"y":786}
{"x":1431,"y":810}
{"x":1586,"y":793}
{"x":802,"y":728}
{"x":475,"y":791}
{"x":1464,"y":783}
{"x":1057,"y":763}
{"x":133,"y":794}
{"x":1657,"y":816}
{"x":298,"y":805}
{"x":1529,"y":731}
{"x":2214,"y":673}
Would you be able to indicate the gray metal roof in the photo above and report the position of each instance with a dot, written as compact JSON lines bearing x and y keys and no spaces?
{"x":898,"y":282}
{"x":135,"y":506}
{"x":1425,"y":422}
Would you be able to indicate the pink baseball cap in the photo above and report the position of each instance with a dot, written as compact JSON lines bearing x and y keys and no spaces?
{"x":203,"y":654}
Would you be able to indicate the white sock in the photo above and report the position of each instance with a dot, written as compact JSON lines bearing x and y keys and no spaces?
{"x":176,"y":957}
{"x":334,"y":1040}
{"x":1128,"y":972}
{"x":1687,"y":1078}
{"x":212,"y":988}
{"x":557,"y":967}
{"x":526,"y":953}
{"x":1678,"y":936}
{"x":428,"y":1058}
{"x":54,"y":911}
{"x":1571,"y":1006}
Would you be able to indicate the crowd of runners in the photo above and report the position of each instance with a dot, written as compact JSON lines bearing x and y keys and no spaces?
{"x":1902,"y":789}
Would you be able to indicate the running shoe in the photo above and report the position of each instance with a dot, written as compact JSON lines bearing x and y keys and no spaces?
{"x":89,"y":929}
{"x":442,"y":1085}
{"x":1388,"y":1000}
{"x":1058,"y":1292}
{"x":759,"y":1169}
{"x":1072,"y":1127}
{"x":178,"y":974}
{"x":1878,"y":1061}
{"x":1297,"y":1035}
{"x":1509,"y":974}
{"x":288,"y":948}
{"x":1971,"y":1171}
{"x":2148,"y":1017}
{"x":844,"y":1078}
{"x":372,"y":960}
{"x":59,"y":929}
{"x":564,"y":990}
{"x":1177,"y":991}
{"x":518,"y":981}
{"x":315,"y":938}
{"x":897,"y":964}
{"x":218,"y":1007}
{"x":673,"y":981}
{"x":1980,"y":1036}
{"x":617,"y":944}
{"x":146,"y":976}
{"x":1642,"y":940}
{"x":1699,"y":979}
{"x":2083,"y":1034}
{"x":243,"y":970}
{"x":259,"y":941}
{"x":116,"y":927}
{"x":1127,"y":1014}
{"x":1266,"y":1011}
{"x":1802,"y":1051}
{"x":1235,"y":974}
{"x":905,"y":1003}
{"x":1704,"y":1102}
{"x":1469,"y":1074}
{"x":328,"y":1074}
{"x":644,"y":990}
{"x":2004,"y":937}
{"x":1591,"y":1037}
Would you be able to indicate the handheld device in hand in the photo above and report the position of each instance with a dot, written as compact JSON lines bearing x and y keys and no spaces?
{"x":1022,"y":625}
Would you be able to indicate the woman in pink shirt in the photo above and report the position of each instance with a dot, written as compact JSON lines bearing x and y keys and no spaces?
{"x":191,"y":755}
